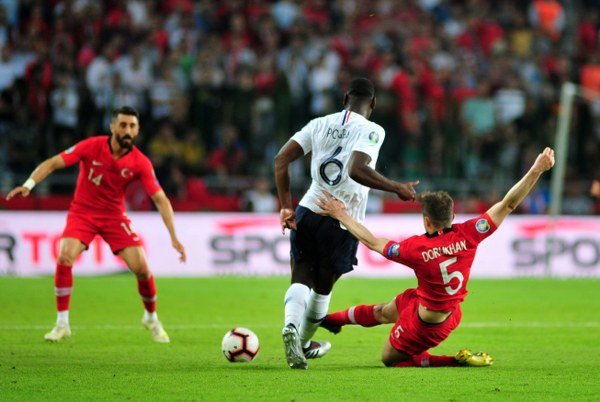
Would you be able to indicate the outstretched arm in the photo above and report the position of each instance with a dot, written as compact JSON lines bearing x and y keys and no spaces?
{"x":166,"y":212}
{"x":286,"y":155}
{"x":42,"y":171}
{"x":335,"y":208}
{"x":360,"y":171}
{"x":519,"y":191}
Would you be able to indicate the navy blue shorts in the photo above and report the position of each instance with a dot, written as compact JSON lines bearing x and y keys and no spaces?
{"x":322,"y":243}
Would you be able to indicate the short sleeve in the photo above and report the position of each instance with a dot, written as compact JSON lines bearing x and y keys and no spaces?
{"x":77,"y":152}
{"x":304,"y":136}
{"x":479,"y":229}
{"x":399,"y":251}
{"x":370,"y":140}
{"x":391,"y":251}
{"x":148,"y":177}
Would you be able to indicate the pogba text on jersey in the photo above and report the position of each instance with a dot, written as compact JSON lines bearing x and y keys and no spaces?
{"x":337,"y":133}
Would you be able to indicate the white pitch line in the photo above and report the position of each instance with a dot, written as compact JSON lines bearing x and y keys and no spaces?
{"x":531,"y":325}
{"x":8,"y":327}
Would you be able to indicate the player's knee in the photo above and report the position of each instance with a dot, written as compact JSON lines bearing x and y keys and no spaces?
{"x":388,"y":360}
{"x":379,"y":315}
{"x":387,"y":363}
{"x":65,"y":258}
{"x":143,"y":273}
{"x":394,"y":358}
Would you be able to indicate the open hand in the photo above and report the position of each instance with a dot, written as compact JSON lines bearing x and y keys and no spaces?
{"x":19,"y":190}
{"x":330,"y":206}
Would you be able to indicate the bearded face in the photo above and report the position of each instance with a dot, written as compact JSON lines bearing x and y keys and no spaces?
{"x":125,"y":140}
{"x":124,"y":129}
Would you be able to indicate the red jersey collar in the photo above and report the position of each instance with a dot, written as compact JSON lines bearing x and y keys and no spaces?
{"x":439,"y":232}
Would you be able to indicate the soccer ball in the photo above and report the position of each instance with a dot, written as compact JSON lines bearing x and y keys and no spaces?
{"x":240,"y":345}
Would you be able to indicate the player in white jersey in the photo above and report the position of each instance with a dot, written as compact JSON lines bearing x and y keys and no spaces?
{"x":344,"y":148}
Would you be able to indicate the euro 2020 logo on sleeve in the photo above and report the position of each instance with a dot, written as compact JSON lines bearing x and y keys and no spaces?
{"x":373,"y":137}
{"x":482,"y":225}
{"x":394,"y":250}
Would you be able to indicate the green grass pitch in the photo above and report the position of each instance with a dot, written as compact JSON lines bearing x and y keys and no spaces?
{"x":543,"y":334}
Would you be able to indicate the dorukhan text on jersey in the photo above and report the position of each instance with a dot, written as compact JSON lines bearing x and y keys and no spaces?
{"x":450,"y":249}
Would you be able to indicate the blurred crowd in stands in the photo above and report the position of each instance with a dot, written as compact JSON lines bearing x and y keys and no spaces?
{"x":467,"y":90}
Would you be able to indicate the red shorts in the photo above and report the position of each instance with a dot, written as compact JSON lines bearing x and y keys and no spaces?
{"x":115,"y":230}
{"x":413,"y":336}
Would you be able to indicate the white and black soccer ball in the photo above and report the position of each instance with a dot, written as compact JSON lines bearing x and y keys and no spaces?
{"x":240,"y":345}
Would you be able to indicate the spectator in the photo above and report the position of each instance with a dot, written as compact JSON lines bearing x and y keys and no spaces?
{"x":38,"y":77}
{"x":99,"y":72}
{"x":549,"y":16}
{"x":576,"y":200}
{"x":135,"y":68}
{"x":285,"y":13}
{"x":64,"y":99}
{"x":509,"y":100}
{"x":193,"y":155}
{"x":521,"y":36}
{"x":207,"y":94}
{"x":263,"y":130}
{"x":229,"y":157}
{"x":99,"y":81}
{"x":292,"y":63}
{"x":202,"y":65}
{"x":163,"y":92}
{"x":478,"y":117}
{"x":125,"y":93}
{"x":587,"y":33}
{"x":166,"y":151}
{"x":321,"y":81}
{"x":240,"y":100}
{"x":6,"y":28}
{"x":9,"y":69}
{"x":24,"y":143}
{"x":589,"y":74}
{"x":260,"y":199}
{"x":165,"y":146}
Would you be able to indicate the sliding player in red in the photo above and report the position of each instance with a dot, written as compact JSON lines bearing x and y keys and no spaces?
{"x":107,"y":164}
{"x":442,"y":259}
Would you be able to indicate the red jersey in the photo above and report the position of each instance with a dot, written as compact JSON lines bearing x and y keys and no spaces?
{"x":442,"y":261}
{"x":102,"y":179}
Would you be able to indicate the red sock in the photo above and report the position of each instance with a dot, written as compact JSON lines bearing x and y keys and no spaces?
{"x":360,"y":315}
{"x":427,"y":360}
{"x":147,"y":289}
{"x":63,"y":286}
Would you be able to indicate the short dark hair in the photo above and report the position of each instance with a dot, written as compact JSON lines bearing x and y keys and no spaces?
{"x":438,"y":206}
{"x":361,"y":88}
{"x":128,"y":110}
